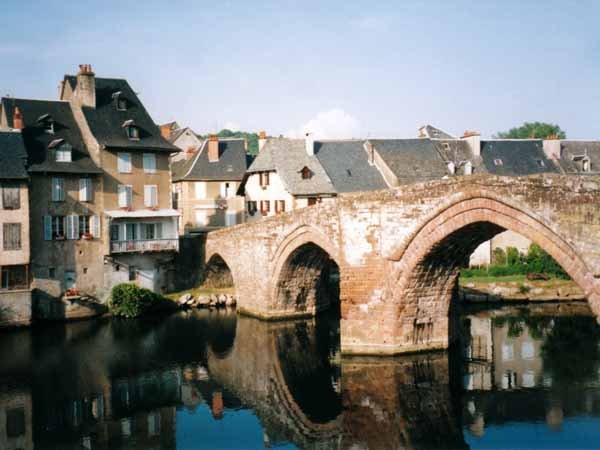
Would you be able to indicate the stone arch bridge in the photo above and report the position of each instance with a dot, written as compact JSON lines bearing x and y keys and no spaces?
{"x":399,"y":252}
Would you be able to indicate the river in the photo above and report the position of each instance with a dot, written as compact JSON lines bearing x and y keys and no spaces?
{"x":517,"y":378}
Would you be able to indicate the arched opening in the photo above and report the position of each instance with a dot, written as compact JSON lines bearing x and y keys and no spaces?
{"x":308,"y":281}
{"x":425,"y":277}
{"x":217,"y":273}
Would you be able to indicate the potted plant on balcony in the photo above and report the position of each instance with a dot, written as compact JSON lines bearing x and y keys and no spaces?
{"x":87,"y":236}
{"x":73,"y":292}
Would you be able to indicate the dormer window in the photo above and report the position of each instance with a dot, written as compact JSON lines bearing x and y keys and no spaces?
{"x":306,"y":173}
{"x":120,"y":101}
{"x":583,"y":163}
{"x":541,"y":163}
{"x":468,"y":168}
{"x":498,"y":162}
{"x":133,"y":132}
{"x":451,"y":167}
{"x":62,"y":150}
{"x":446,"y":146}
{"x":47,"y":123}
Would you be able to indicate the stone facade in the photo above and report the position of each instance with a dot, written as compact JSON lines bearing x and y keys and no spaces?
{"x":399,"y":252}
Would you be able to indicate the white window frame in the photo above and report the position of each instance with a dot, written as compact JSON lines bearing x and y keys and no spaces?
{"x":150,"y":195}
{"x":125,"y":194}
{"x":149,"y":163}
{"x":124,"y":162}
{"x":200,"y":190}
{"x":204,"y":222}
{"x":63,"y":153}
{"x":85,"y":189}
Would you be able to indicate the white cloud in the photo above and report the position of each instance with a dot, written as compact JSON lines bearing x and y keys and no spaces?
{"x":333,"y":124}
{"x":233,"y":126}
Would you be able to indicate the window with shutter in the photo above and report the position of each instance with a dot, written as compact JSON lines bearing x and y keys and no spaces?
{"x":73,"y":227}
{"x":11,"y":196}
{"x":58,"y":189}
{"x":265,"y":207}
{"x":85,"y":224}
{"x":58,"y":227}
{"x":124,"y":162}
{"x":252,"y":207}
{"x":150,"y":195}
{"x":149,"y":162}
{"x":85,"y":189}
{"x":95,"y":226}
{"x":11,"y":236}
{"x":124,"y":196}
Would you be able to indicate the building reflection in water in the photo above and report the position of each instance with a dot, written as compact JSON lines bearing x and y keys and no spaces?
{"x":178,"y":382}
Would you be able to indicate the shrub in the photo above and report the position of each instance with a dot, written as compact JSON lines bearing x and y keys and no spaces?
{"x":129,"y":300}
{"x":513,"y":257}
{"x":523,"y":289}
{"x":499,"y":257}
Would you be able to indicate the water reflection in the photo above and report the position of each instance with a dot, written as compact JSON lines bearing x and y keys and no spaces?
{"x":210,"y":379}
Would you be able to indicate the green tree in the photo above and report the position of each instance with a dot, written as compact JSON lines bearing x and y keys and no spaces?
{"x":530,"y":130}
{"x":252,"y":138}
{"x":513,"y":257}
{"x":498,"y":257}
{"x":539,"y":261}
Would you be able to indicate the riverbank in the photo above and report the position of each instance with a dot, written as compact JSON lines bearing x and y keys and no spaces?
{"x":518,"y":288}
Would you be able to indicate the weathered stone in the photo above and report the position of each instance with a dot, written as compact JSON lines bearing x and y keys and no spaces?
{"x":230,"y":300}
{"x":184,"y":299}
{"x":203,"y":301}
{"x":399,"y":252}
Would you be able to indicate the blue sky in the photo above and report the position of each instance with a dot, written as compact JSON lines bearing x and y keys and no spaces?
{"x":340,"y":68}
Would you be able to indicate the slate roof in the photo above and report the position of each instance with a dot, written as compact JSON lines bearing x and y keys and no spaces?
{"x":518,"y":156}
{"x":411,"y":160}
{"x":347,"y":166}
{"x":288,"y":157}
{"x":40,"y":158}
{"x":106,"y":122}
{"x":569,"y":149}
{"x":13,"y":156}
{"x":232,"y":163}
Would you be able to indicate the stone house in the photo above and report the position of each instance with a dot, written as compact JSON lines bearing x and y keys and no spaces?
{"x":15,"y":294}
{"x":206,"y":180}
{"x":99,"y":192}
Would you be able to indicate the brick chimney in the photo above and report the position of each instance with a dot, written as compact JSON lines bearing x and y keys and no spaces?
{"x":309,"y":143}
{"x":262,"y":139}
{"x":165,"y":131}
{"x":17,"y":119}
{"x":552,"y":147}
{"x":473,"y":138}
{"x":85,"y":92}
{"x":213,"y":148}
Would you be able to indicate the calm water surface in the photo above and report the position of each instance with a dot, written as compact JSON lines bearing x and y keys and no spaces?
{"x":519,"y":378}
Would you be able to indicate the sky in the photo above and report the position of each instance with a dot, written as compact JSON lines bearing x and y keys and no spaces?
{"x":338,"y":69}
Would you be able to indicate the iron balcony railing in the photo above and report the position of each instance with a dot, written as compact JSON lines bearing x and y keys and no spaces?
{"x":144,"y":245}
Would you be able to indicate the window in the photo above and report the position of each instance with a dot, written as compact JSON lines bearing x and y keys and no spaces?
{"x":133,"y":133}
{"x":175,"y":200}
{"x":201,"y":218}
{"x":498,"y":162}
{"x":252,"y":207}
{"x":48,"y":125}
{"x":114,"y":232}
{"x":15,"y":422}
{"x":58,"y":189}
{"x":121,"y":104}
{"x":63,"y":153}
{"x":58,"y":227}
{"x":227,"y":190}
{"x":541,"y":163}
{"x":14,"y":277}
{"x":150,"y":195}
{"x":124,"y":162}
{"x":306,"y":173}
{"x":124,"y":196}
{"x":151,"y":230}
{"x":446,"y":146}
{"x":11,"y":236}
{"x":200,"y":189}
{"x":451,"y":167}
{"x":311,"y":201}
{"x":85,"y":189}
{"x":265,"y":207}
{"x":51,"y":273}
{"x":72,"y":227}
{"x":154,"y":423}
{"x":11,"y":196}
{"x":149,"y":162}
{"x":527,"y":350}
{"x":130,"y":232}
{"x":468,"y":168}
{"x":132,"y":273}
{"x":230,"y":219}
{"x":507,"y":352}
{"x":264,"y":179}
{"x":279,"y":206}
{"x":69,"y":279}
{"x":84,"y":226}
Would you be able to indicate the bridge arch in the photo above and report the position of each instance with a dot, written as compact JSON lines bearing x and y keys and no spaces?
{"x":218,"y":272}
{"x":302,"y":264}
{"x":426,"y":266}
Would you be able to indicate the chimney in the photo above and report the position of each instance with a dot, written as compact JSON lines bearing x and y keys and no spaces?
{"x":245,"y":143}
{"x":473,"y":138}
{"x":165,"y":131}
{"x":309,"y":142}
{"x":17,"y":119}
{"x":85,"y":92}
{"x":213,"y":148}
{"x":262,"y":139}
{"x":552,"y":147}
{"x":370,"y":148}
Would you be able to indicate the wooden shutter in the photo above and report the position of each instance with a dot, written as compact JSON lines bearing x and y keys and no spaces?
{"x":72,"y":230}
{"x":47,"y":228}
{"x":85,"y":189}
{"x":282,"y":205}
{"x":11,"y":196}
{"x":95,"y":226}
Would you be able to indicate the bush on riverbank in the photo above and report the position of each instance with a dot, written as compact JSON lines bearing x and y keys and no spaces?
{"x":129,"y":300}
{"x":511,"y":262}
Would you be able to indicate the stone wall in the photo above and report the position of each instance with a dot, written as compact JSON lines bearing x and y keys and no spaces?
{"x":15,"y":308}
{"x":399,"y":250}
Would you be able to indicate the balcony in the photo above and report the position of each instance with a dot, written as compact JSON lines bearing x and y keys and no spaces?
{"x":144,"y":245}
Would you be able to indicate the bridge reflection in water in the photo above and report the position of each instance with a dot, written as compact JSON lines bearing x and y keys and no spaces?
{"x":211,"y":379}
